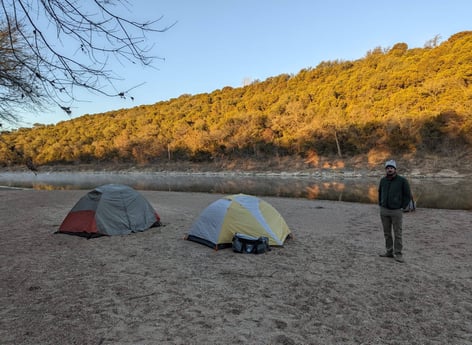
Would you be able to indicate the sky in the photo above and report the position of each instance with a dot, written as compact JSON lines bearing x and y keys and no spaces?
{"x":218,"y":43}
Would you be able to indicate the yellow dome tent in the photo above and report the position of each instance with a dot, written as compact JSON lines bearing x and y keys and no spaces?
{"x":242,"y":214}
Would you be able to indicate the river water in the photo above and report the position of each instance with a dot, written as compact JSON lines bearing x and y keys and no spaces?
{"x":444,"y":193}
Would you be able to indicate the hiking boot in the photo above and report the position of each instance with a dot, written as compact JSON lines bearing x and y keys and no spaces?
{"x":386,"y":255}
{"x":398,"y":258}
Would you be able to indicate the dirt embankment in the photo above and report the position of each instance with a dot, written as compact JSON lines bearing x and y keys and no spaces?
{"x":455,"y":165}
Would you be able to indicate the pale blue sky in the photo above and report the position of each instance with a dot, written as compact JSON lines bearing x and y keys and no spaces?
{"x":225,"y":42}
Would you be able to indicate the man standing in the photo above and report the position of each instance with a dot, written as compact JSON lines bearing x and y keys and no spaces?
{"x":394,"y":196}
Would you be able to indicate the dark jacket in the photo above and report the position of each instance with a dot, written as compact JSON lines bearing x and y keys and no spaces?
{"x":394,"y":193}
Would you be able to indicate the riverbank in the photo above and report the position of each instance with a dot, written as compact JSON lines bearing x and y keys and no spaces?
{"x":326,"y":286}
{"x":455,"y":165}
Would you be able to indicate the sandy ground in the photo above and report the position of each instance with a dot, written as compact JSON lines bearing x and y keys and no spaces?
{"x":326,"y":286}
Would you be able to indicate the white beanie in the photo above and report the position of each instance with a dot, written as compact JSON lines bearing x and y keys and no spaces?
{"x":391,"y":163}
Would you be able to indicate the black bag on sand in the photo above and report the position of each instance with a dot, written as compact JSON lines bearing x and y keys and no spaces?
{"x":249,"y":244}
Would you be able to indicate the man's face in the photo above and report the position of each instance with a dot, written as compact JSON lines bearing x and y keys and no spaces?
{"x":390,"y":171}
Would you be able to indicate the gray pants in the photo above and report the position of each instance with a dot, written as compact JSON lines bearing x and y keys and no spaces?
{"x":392,"y":220}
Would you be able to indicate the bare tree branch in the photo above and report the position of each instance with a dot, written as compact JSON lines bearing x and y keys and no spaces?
{"x":50,"y":71}
{"x":19,"y":91}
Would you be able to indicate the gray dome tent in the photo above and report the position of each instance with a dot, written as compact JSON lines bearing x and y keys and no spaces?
{"x":111,"y":209}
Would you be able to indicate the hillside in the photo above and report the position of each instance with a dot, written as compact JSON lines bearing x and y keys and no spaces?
{"x":408,"y":103}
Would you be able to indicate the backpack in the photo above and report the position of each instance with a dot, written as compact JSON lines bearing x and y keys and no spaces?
{"x":411,"y":206}
{"x":248,"y":244}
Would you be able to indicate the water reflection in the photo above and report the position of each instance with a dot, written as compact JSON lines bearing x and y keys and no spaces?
{"x":429,"y":193}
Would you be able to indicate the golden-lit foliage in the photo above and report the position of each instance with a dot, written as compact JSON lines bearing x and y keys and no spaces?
{"x":392,"y":101}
